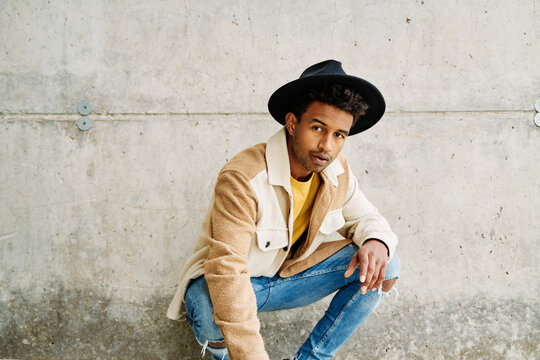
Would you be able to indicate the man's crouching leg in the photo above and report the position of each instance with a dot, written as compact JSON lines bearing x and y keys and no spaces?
{"x":348,"y":309}
{"x":200,"y":316}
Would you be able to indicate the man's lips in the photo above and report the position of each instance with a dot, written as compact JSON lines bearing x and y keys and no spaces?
{"x":320,"y":159}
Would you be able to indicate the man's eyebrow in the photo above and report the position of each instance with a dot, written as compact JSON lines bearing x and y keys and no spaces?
{"x":345,"y":132}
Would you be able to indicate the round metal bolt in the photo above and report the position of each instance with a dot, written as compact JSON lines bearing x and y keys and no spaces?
{"x":537,"y":105}
{"x":84,"y":107}
{"x":84,"y":123}
{"x":537,"y":119}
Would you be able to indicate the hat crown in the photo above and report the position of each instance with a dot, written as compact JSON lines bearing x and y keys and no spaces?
{"x":328,"y":67}
{"x":328,"y":72}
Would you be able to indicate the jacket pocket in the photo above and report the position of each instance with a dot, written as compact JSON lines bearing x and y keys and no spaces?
{"x":272,"y":239}
{"x":332,"y":222}
{"x":266,"y":253}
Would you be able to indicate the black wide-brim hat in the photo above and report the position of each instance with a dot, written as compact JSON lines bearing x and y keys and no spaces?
{"x":329,"y":71}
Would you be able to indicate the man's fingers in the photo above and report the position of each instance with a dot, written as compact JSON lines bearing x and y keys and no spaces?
{"x":368,"y":283}
{"x":380,"y":277}
{"x":373,"y":258}
{"x":375,"y":267}
{"x":364,"y":260}
{"x":377,"y":277}
{"x":372,"y":269}
{"x":352,"y":266}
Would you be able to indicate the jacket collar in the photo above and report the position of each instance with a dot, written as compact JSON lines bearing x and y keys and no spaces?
{"x":279,"y":169}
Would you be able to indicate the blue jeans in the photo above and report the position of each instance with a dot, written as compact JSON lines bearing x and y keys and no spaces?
{"x":348,"y":309}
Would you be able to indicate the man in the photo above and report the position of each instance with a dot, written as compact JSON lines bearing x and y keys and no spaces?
{"x":289,"y":226}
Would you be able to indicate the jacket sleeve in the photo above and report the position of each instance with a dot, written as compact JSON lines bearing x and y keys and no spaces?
{"x":231,"y":228}
{"x":363,"y":221}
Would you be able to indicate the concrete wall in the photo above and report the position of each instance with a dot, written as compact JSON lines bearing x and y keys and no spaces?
{"x":95,"y":225}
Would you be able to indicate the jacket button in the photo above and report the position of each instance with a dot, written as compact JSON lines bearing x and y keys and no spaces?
{"x":267,"y":244}
{"x":285,"y":248}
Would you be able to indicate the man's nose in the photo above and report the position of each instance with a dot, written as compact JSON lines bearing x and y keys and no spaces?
{"x":326,"y":144}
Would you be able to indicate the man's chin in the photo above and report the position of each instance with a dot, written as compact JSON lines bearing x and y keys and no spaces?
{"x":317,"y":168}
{"x":313,"y":167}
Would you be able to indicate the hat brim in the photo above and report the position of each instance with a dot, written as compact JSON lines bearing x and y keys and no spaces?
{"x":281,"y":100}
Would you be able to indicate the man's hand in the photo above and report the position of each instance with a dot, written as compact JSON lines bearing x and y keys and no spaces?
{"x":373,"y":259}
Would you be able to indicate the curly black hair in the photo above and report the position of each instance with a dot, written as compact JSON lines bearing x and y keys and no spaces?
{"x":334,"y":94}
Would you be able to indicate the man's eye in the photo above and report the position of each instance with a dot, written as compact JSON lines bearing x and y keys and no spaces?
{"x":338,"y":135}
{"x":317,"y":128}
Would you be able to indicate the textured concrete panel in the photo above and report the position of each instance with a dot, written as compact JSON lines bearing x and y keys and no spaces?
{"x":228,"y":56}
{"x":107,"y":205}
{"x":76,"y":324}
{"x":96,"y":226}
{"x":462,"y":190}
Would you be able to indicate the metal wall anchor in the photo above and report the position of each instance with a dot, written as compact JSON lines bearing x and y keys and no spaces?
{"x":84,"y":108}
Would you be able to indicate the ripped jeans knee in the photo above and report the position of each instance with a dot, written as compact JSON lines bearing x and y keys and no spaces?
{"x":200,"y":316}
{"x":392,"y":274}
{"x":218,"y":353}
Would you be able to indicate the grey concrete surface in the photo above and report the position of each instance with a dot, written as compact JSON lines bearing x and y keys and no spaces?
{"x":95,"y":225}
{"x":186,"y":56}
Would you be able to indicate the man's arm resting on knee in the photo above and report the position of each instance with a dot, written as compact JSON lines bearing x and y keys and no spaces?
{"x":372,"y":233}
{"x":231,"y":227}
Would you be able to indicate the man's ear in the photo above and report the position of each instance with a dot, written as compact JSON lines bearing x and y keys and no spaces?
{"x":290,"y":122}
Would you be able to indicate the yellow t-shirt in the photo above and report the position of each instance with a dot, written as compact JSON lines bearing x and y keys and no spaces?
{"x":303,"y":197}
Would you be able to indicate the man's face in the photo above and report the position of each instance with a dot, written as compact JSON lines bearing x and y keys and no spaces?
{"x":316,"y":139}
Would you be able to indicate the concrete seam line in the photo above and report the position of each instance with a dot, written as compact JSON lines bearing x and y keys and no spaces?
{"x":206,"y":116}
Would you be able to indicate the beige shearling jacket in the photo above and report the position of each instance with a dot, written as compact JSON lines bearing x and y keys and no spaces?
{"x":248,"y":233}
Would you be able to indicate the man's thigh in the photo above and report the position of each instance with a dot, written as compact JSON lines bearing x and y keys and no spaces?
{"x":306,"y":287}
{"x":275,"y":292}
{"x":314,"y":283}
